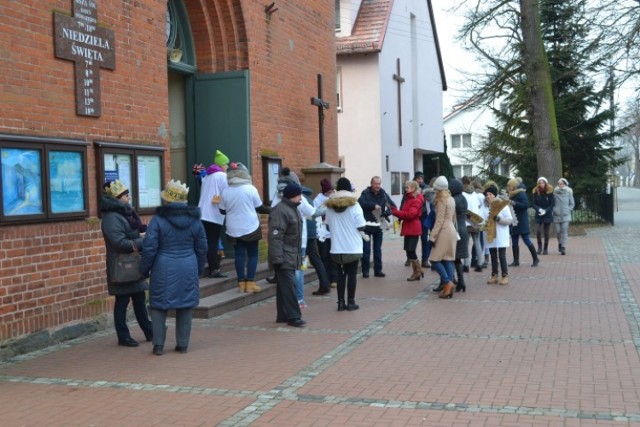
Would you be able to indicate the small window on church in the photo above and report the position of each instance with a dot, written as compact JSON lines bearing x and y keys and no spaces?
{"x":337,"y":7}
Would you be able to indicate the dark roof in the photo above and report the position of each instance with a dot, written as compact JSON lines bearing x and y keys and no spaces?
{"x":370,"y":29}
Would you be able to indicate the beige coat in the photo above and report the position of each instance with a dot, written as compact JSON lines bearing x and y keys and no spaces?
{"x":444,"y":236}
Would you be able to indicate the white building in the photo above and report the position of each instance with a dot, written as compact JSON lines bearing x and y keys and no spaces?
{"x":390,"y":83}
{"x":466,"y":128}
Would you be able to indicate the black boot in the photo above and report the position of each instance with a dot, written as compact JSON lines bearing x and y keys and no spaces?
{"x":534,"y":255}
{"x":351,"y":305}
{"x":341,"y":305}
{"x":460,"y":286}
{"x":516,"y":257}
{"x":545,"y":251}
{"x":438,"y":288}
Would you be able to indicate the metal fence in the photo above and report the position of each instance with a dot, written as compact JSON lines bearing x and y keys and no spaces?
{"x":595,"y":207}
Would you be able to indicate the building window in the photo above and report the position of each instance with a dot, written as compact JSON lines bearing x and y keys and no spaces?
{"x":42,"y":179}
{"x":139,"y":167}
{"x":462,"y":170}
{"x":270,"y":171}
{"x":461,"y":140}
{"x":396,"y":186}
{"x":337,"y":8}
{"x":339,"y":89}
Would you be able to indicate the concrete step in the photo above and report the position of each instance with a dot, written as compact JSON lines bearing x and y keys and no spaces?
{"x":220,"y":296}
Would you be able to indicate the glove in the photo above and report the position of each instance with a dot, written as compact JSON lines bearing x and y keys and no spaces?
{"x":541,"y":212}
{"x":365,"y":236}
{"x":497,"y":219}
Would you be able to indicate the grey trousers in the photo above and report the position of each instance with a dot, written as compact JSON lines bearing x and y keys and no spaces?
{"x":562,"y":231}
{"x":183,"y":326}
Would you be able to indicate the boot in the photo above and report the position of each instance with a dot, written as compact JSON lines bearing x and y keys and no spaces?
{"x":426,"y":264}
{"x":539,"y":247}
{"x":486,"y":262}
{"x":351,"y":305}
{"x":536,"y":260}
{"x":493,"y":280}
{"x":545,"y":251}
{"x":447,"y":291}
{"x":559,"y":247}
{"x":504,"y":280}
{"x":563,"y":250}
{"x":407,"y":262}
{"x":341,"y":305}
{"x":251,"y":287}
{"x":438,"y":288}
{"x":460,"y":286}
{"x":516,"y":257}
{"x":242,"y":285}
{"x":417,"y":271}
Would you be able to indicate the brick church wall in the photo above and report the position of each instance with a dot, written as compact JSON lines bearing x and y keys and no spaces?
{"x":52,"y":275}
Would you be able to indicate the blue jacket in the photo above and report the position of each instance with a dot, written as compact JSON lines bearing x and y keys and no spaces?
{"x":520,"y":203}
{"x":174,"y":252}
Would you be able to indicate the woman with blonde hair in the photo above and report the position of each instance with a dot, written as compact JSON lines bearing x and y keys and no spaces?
{"x":443,"y":236}
{"x":411,"y":225}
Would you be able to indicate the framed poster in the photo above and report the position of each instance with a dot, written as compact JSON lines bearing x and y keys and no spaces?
{"x":149,"y":181}
{"x":66,"y":181}
{"x":21,"y":181}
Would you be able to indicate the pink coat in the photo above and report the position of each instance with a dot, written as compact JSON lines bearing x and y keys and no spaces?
{"x":410,"y":215}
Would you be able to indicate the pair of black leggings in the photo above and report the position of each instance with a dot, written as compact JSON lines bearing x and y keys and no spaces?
{"x":500,"y":253}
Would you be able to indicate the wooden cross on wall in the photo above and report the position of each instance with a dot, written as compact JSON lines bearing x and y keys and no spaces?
{"x":322,"y":105}
{"x":399,"y":79}
{"x":90,"y":47}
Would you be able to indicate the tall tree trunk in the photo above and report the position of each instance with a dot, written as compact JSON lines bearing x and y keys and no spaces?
{"x":542,"y":112}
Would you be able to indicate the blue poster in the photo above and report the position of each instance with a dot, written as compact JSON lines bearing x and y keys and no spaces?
{"x":66,"y":180}
{"x":21,"y":181}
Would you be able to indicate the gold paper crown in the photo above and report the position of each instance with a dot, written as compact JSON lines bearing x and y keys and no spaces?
{"x":116,"y":189}
{"x":175,"y":192}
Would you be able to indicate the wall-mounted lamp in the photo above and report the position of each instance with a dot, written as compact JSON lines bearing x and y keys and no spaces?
{"x":270,"y":8}
{"x":175,"y":55}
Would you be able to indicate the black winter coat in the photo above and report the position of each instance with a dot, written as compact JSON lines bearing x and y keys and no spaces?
{"x":462,"y":247}
{"x":544,"y":201}
{"x":520,"y":204}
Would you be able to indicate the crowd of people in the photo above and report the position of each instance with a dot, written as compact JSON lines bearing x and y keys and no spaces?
{"x":461,"y":224}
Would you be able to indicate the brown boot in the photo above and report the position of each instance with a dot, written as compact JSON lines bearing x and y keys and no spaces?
{"x":504,"y":280}
{"x":417,"y":271}
{"x":447,"y":291}
{"x":252,"y":287}
{"x":494,"y":280}
{"x":242,"y":285}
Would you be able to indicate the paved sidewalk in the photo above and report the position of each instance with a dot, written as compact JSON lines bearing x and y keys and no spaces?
{"x":560,"y":345}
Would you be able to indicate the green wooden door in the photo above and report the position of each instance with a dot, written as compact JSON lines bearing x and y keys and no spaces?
{"x":218,"y":117}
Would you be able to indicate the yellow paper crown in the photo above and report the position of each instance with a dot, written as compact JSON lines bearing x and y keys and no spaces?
{"x":175,"y":191}
{"x":116,"y":189}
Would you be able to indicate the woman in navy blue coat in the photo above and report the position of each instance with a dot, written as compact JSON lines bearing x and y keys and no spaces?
{"x":174,"y":253}
{"x":518,"y":196}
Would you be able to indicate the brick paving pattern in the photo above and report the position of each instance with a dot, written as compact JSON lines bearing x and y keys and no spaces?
{"x":558,"y":346}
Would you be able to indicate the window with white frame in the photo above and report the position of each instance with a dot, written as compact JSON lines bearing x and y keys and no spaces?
{"x":461,"y":140}
{"x":462,"y":170}
{"x":337,"y":7}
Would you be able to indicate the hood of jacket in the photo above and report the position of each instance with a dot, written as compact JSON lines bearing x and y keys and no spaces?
{"x":455,"y":187}
{"x":179,"y":215}
{"x":560,"y":190}
{"x":341,"y":200}
{"x":238,"y":177}
{"x":110,"y":204}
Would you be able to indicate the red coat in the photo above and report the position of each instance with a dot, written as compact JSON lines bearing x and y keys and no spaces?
{"x":410,"y":215}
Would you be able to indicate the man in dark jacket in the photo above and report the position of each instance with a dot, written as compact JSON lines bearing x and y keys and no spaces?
{"x":285,"y":245}
{"x":375,"y":203}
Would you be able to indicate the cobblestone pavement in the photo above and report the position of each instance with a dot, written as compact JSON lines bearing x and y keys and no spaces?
{"x":560,"y":345}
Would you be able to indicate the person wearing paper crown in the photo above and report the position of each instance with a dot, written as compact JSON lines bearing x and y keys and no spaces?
{"x":173,"y":254}
{"x":121,"y":229}
{"x":213,"y":184}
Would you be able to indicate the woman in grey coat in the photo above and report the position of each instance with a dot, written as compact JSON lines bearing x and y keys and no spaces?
{"x":174,"y":253}
{"x":121,"y":230}
{"x":564,"y":204}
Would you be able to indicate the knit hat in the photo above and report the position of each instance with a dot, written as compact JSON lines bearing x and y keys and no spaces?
{"x":220,"y":159}
{"x":116,"y":189}
{"x":564,"y":181}
{"x":175,"y":191}
{"x":343,"y":184}
{"x":418,"y":174}
{"x":291,"y":191}
{"x":491,"y":189}
{"x":325,"y":185}
{"x":288,"y":175}
{"x":542,"y":178}
{"x":441,"y":183}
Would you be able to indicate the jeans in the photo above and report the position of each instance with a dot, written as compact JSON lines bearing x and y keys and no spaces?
{"x":501,"y":254}
{"x":445,"y":269}
{"x":425,"y":244}
{"x":138,"y":301}
{"x":246,"y":253}
{"x":299,"y":279}
{"x":376,"y":238}
{"x":525,"y":239}
{"x":183,"y":326}
{"x":213,"y":231}
{"x":562,"y":232}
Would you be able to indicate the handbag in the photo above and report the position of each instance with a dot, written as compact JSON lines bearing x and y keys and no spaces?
{"x":254,"y":236}
{"x":126,"y":268}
